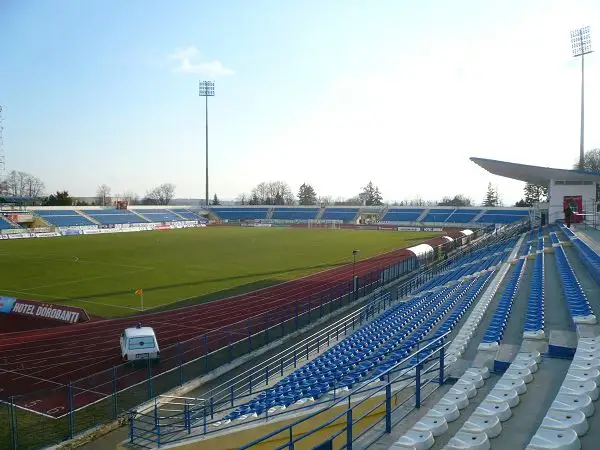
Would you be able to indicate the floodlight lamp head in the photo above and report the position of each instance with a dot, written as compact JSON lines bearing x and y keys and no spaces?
{"x":581,"y":41}
{"x":206,"y":88}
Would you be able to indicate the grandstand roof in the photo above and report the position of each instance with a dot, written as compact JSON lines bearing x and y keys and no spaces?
{"x":534,"y":174}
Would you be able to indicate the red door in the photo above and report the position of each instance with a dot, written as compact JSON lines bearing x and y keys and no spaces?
{"x":576,"y":204}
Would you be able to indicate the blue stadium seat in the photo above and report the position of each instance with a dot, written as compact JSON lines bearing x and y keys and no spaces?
{"x":402,"y":214}
{"x":461,"y":215}
{"x":159,"y":215}
{"x":295,"y":213}
{"x":577,"y":303}
{"x":63,"y":218}
{"x":392,"y":336}
{"x":227,"y":213}
{"x":534,"y":320}
{"x":495,"y":330}
{"x":344,"y":214}
{"x":5,"y":224}
{"x":437,"y":215}
{"x":185,"y":213}
{"x":114,"y":216}
{"x":503,"y":216}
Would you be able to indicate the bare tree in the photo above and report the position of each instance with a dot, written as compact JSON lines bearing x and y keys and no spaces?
{"x":160,"y":195}
{"x":131,"y":197}
{"x":103,"y":195}
{"x":23,"y":184}
{"x":272,"y":193}
{"x":325,"y":201}
{"x":242,"y":199}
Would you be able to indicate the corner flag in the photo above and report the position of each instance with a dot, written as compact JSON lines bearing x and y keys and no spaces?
{"x":140,"y":293}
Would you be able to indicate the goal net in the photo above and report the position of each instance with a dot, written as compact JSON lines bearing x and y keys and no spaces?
{"x":331,"y":224}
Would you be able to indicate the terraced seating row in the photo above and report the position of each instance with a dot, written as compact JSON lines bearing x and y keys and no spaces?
{"x":5,"y":224}
{"x":567,"y":418}
{"x":435,"y":422}
{"x":495,"y":330}
{"x":456,"y":315}
{"x":185,"y":213}
{"x":485,"y":422}
{"x":339,"y":213}
{"x":469,"y":264}
{"x":589,"y":257}
{"x":159,"y":215}
{"x":554,"y":238}
{"x":64,"y":217}
{"x":347,"y":362}
{"x":578,"y":305}
{"x":534,"y":321}
{"x":370,"y":351}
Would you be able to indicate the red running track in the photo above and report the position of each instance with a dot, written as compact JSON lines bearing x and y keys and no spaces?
{"x":45,"y":361}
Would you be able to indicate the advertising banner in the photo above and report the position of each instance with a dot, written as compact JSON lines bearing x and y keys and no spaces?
{"x":71,"y":232}
{"x":60,"y":313}
{"x":6,"y":304}
{"x":42,"y":230}
{"x":78,"y":228}
{"x":13,"y":231}
{"x":45,"y":235}
{"x":19,"y":236}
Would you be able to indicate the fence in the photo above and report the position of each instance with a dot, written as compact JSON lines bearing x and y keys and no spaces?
{"x":187,"y":416}
{"x":94,"y":400}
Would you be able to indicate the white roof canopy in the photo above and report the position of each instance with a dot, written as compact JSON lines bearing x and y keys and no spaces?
{"x":534,"y":174}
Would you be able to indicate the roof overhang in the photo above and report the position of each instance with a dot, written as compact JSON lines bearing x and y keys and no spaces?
{"x":534,"y":174}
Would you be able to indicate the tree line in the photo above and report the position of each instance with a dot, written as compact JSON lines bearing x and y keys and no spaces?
{"x":23,"y":184}
{"x":280,"y":193}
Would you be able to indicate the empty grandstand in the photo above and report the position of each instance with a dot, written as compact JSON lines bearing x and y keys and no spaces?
{"x":64,"y":217}
{"x":6,"y":224}
{"x":509,"y":324}
{"x":114,"y":216}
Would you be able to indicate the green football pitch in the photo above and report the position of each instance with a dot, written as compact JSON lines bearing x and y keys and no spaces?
{"x":101,"y":272}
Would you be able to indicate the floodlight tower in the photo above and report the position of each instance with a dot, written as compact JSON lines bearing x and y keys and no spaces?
{"x":581,"y":45}
{"x":206,"y":89}
{"x":2,"y":161}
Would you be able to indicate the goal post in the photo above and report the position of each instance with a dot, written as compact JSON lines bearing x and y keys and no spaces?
{"x":329,"y":224}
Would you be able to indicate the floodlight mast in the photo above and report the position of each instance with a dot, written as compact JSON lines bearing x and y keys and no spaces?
{"x":206,"y":89}
{"x":581,"y":45}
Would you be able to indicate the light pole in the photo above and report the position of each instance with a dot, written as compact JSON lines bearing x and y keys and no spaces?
{"x":581,"y":44}
{"x":354,"y":253}
{"x":206,"y":89}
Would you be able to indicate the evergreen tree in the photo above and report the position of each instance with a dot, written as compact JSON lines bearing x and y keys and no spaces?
{"x":491,"y":196}
{"x":307,"y":195}
{"x":535,"y":194}
{"x":216,"y":201}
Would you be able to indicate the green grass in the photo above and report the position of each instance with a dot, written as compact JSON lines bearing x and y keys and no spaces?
{"x":101,"y":272}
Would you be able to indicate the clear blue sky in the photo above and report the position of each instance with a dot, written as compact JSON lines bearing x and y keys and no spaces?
{"x":331,"y":92}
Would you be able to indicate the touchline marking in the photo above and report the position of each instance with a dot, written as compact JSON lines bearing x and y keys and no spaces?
{"x":69,"y":259}
{"x":83,"y":280}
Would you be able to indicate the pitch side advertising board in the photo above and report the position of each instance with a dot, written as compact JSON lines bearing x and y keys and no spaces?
{"x":60,"y":313}
{"x":6,"y":304}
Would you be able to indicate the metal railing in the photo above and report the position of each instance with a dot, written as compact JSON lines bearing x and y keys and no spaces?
{"x":156,"y":427}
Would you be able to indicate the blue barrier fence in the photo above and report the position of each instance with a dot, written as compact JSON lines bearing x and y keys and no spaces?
{"x":156,"y":427}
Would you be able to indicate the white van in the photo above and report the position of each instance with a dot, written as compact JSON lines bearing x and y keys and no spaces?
{"x":139,"y":343}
